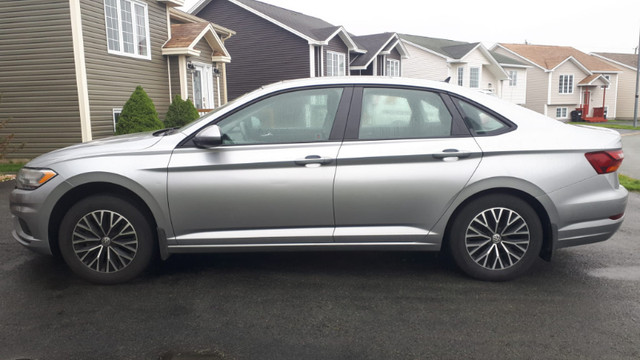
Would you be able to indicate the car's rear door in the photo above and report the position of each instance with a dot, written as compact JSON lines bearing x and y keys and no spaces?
{"x":271,"y":181}
{"x":406,"y":155}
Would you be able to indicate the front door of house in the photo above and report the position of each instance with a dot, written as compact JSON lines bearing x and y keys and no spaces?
{"x":203,"y":86}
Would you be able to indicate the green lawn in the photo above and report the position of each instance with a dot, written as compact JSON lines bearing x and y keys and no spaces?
{"x":10,"y":168}
{"x":607,"y":125}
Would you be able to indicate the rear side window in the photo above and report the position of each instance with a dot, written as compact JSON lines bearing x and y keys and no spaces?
{"x":478,"y":120}
{"x":402,"y":114}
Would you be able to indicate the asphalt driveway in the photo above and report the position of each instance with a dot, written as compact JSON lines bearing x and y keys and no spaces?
{"x":360,"y":305}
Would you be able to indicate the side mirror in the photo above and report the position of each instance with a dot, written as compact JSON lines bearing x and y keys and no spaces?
{"x":209,"y":137}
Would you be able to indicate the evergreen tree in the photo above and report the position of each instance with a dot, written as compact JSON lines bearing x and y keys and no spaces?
{"x":138,"y":114}
{"x":180,"y":113}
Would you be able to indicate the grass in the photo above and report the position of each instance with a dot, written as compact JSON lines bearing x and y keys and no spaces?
{"x":607,"y":125}
{"x":10,"y":167}
{"x":629,"y":183}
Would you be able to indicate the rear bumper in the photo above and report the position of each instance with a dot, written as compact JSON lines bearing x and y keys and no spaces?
{"x":590,"y":211}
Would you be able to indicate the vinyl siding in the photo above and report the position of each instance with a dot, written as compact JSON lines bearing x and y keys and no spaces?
{"x":262,"y":52}
{"x":568,"y":68}
{"x":537,"y":85}
{"x":112,"y":78}
{"x":626,"y":94}
{"x":516,"y":94}
{"x":37,"y":76}
{"x":597,"y":94}
{"x":175,"y":75}
{"x":424,"y":65}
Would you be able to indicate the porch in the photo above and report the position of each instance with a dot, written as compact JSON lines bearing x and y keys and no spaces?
{"x":592,"y":87}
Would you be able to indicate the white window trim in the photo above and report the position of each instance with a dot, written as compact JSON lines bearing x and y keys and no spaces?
{"x":563,"y":112}
{"x":513,"y":78}
{"x":393,"y":67}
{"x":573,"y":84}
{"x":471,"y":79}
{"x":331,"y":54}
{"x":121,"y":52}
{"x":113,"y":116}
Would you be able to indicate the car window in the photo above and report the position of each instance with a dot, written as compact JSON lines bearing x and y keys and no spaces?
{"x":298,"y":116}
{"x":479,"y":120}
{"x":401,"y":113}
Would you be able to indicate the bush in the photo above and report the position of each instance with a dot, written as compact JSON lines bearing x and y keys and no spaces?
{"x":180,"y":113}
{"x":138,"y":114}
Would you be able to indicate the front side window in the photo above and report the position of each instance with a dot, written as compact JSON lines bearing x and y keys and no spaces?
{"x":474,"y":77}
{"x":403,"y":114}
{"x":393,"y":68}
{"x":566,"y":84}
{"x":127,"y":28}
{"x":336,"y":64}
{"x":480,"y":121}
{"x":460,"y":76}
{"x":293,"y":117}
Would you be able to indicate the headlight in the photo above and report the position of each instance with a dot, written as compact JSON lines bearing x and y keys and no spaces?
{"x":30,"y":179}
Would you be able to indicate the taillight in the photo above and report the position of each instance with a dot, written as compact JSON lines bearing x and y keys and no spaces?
{"x":605,"y":162}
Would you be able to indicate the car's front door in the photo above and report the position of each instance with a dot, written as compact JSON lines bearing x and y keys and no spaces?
{"x":271,"y":181}
{"x":405,"y":157}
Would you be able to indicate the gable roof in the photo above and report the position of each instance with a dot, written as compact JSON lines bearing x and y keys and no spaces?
{"x":549,"y":57}
{"x":446,"y":48}
{"x":376,"y":44}
{"x":626,"y":60}
{"x":594,"y":79}
{"x":316,"y":31}
{"x":185,"y":37}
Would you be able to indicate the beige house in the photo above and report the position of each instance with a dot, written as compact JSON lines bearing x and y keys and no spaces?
{"x":625,"y":98}
{"x":470,"y":65}
{"x":68,"y":67}
{"x":562,"y":79}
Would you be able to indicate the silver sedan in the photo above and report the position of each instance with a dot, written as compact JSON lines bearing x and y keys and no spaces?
{"x":330,"y":164}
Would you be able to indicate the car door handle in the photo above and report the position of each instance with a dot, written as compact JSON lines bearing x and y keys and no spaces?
{"x":451,"y":153}
{"x":314,"y":160}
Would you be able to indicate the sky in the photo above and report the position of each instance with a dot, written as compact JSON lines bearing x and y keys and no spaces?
{"x":588,"y":25}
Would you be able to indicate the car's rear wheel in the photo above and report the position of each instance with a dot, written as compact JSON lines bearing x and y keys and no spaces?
{"x":105,"y":239}
{"x":496,"y":237}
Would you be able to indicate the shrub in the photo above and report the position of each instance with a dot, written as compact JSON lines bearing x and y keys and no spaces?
{"x":138,"y":114}
{"x":180,"y":113}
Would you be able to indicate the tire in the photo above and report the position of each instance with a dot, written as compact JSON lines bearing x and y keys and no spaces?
{"x":106,"y":240}
{"x":496,"y":237}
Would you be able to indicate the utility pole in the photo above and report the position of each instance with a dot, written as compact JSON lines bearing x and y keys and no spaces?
{"x":635,"y":106}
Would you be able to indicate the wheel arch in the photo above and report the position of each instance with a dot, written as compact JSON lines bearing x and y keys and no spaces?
{"x":541,"y":211}
{"x":89,"y":189}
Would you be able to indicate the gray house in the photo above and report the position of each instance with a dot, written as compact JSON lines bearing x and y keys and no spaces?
{"x":274,"y":44}
{"x":68,"y":67}
{"x":384,"y":55}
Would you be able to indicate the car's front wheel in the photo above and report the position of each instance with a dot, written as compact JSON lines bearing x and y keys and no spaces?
{"x":106,"y":239}
{"x":496,"y":237}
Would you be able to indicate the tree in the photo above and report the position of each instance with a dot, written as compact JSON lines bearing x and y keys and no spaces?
{"x":138,"y":114}
{"x":180,"y":113}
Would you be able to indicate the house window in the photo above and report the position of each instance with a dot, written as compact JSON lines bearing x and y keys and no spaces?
{"x":460,"y":76}
{"x":127,"y":30}
{"x":474,"y":77}
{"x":393,"y":68}
{"x":566,"y":84}
{"x":561,"y":113}
{"x":116,"y":115}
{"x":336,"y":64}
{"x":513,"y":78}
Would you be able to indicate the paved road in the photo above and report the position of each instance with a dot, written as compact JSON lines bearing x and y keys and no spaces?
{"x":583,"y":305}
{"x":631,"y":147}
